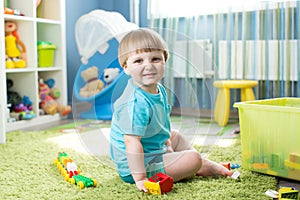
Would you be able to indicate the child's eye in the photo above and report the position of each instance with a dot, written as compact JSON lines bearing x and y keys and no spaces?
{"x":138,"y":61}
{"x":156,"y":59}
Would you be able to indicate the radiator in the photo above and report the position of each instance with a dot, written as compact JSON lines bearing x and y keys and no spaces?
{"x":192,"y":59}
{"x":258,"y":60}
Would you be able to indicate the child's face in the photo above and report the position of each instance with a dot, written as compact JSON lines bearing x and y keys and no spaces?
{"x":146,"y":69}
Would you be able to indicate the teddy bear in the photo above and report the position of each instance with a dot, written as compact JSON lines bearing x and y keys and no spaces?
{"x":110,"y":74}
{"x":48,"y":102}
{"x":93,"y":84}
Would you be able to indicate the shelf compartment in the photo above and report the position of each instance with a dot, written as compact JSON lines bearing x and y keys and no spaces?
{"x":50,"y":9}
{"x":27,"y":7}
{"x":24,"y":31}
{"x":25,"y":85}
{"x":45,"y":33}
{"x":59,"y":82}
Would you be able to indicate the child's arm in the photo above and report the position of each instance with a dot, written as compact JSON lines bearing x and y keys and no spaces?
{"x":135,"y":157}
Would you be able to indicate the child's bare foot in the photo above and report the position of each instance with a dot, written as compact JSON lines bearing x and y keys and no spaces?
{"x":210,"y":168}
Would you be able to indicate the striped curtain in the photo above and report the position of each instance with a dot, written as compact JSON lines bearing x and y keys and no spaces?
{"x":259,"y":44}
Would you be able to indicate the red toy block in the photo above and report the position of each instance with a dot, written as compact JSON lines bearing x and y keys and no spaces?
{"x":165,"y":182}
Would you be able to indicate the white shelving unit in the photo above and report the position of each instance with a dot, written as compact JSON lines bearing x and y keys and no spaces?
{"x":48,"y":26}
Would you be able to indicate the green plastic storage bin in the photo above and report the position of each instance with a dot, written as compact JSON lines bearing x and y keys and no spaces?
{"x":46,"y":51}
{"x":270,"y":136}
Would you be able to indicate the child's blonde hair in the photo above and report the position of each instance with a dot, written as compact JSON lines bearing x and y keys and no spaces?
{"x":139,"y":41}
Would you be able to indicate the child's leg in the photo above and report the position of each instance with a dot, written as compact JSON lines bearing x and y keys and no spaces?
{"x":182,"y":165}
{"x":179,"y":143}
{"x":208,"y":167}
{"x":211,"y":168}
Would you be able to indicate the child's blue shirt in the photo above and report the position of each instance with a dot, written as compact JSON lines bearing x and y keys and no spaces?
{"x":146,"y":115}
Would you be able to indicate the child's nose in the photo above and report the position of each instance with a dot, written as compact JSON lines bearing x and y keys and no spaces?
{"x":148,"y":66}
{"x":147,"y":63}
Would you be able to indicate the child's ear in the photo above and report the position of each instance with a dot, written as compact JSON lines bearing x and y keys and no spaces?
{"x":126,"y":70}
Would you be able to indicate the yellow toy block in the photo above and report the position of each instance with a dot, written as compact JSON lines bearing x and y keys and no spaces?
{"x":287,"y":193}
{"x":292,"y":164}
{"x":260,"y":165}
{"x":153,"y":188}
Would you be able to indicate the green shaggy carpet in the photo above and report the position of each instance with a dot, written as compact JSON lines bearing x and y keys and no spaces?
{"x":27,"y":172}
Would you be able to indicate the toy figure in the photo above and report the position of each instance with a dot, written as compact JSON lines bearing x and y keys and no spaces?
{"x":15,"y":58}
{"x":48,"y":103}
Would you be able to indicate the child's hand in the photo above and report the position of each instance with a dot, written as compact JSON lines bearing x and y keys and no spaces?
{"x":140,"y":185}
{"x":168,"y":143}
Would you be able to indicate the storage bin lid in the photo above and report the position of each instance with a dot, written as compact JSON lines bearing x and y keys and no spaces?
{"x":45,"y":45}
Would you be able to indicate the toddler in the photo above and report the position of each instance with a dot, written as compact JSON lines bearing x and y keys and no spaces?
{"x":142,"y":142}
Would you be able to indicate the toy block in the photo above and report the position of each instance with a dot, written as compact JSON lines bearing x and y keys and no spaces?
{"x":159,"y":184}
{"x":288,"y":193}
{"x":234,"y":166}
{"x":260,"y":165}
{"x":292,"y":164}
{"x":275,"y":160}
{"x":153,"y":188}
{"x":71,"y":172}
{"x":235,"y":175}
{"x":294,"y":157}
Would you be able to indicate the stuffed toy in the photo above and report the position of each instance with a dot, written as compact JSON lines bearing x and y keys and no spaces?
{"x":48,"y":103}
{"x":14,"y":48}
{"x":24,"y":111}
{"x":13,"y":98}
{"x":93,"y":84}
{"x":110,"y":74}
{"x":19,"y":108}
{"x":54,"y":92}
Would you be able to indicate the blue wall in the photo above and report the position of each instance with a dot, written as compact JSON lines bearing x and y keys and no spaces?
{"x":75,"y":9}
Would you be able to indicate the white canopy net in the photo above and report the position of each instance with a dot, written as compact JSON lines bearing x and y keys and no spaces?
{"x":95,"y":29}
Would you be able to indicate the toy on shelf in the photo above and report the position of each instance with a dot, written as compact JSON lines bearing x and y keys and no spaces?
{"x":93,"y":84}
{"x":54,"y":92}
{"x":13,"y":98}
{"x":10,"y":11}
{"x":46,"y":53}
{"x":14,"y":48}
{"x":9,"y":119}
{"x":24,"y":110}
{"x":159,"y":184}
{"x":48,"y":100}
{"x":71,"y":172}
{"x":19,"y":108}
